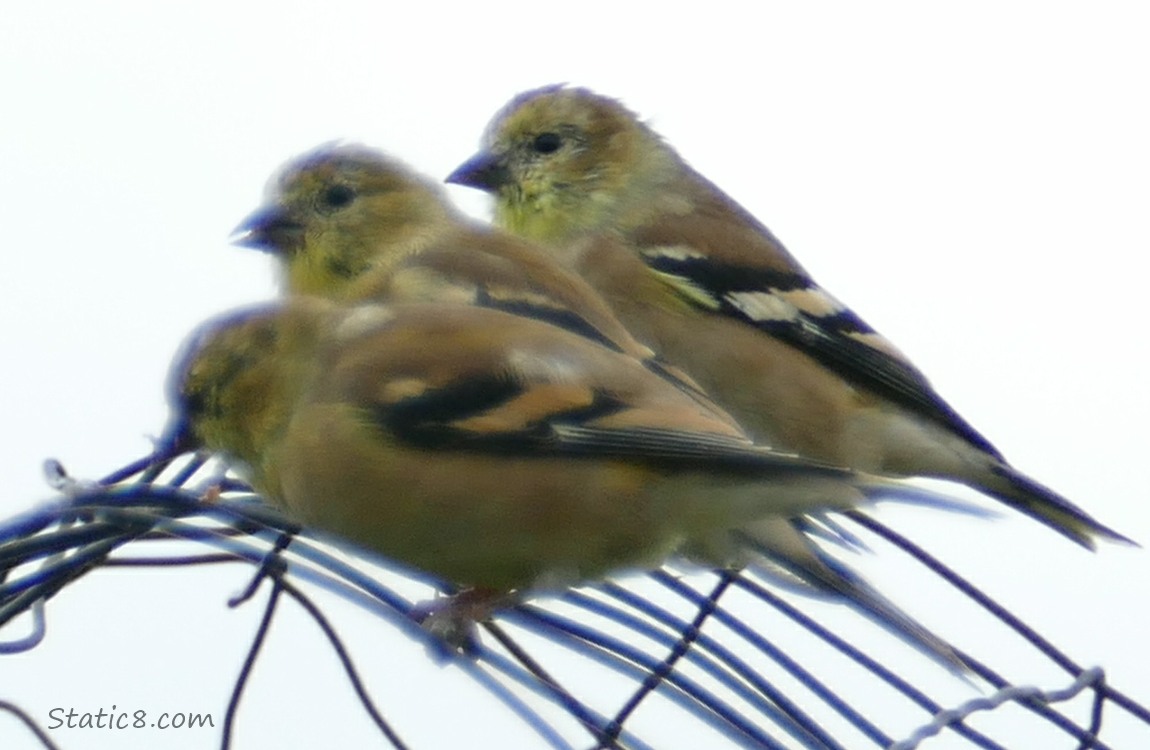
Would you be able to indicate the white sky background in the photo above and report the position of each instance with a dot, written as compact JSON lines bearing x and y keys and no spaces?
{"x":973,"y":183}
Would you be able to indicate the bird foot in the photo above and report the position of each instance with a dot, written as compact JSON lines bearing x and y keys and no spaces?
{"x":453,"y":618}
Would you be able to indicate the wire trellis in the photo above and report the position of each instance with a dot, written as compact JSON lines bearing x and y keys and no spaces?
{"x":695,"y":642}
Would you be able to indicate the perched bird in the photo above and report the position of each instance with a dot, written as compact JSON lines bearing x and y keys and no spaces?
{"x":498,"y":451}
{"x":348,"y":222}
{"x":694,"y":275}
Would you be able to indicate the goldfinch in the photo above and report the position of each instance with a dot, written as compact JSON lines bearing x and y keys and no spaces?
{"x":499,"y":451}
{"x":695,"y":276}
{"x":348,"y":222}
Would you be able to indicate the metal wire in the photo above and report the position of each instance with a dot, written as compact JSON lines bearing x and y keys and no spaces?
{"x":687,"y":643}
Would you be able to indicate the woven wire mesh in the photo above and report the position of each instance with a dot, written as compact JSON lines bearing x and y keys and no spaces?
{"x":675,"y":658}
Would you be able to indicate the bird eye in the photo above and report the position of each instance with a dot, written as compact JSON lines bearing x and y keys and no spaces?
{"x":338,"y":196}
{"x":547,"y":143}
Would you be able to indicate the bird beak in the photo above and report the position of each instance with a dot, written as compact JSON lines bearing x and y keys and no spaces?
{"x":484,"y":171}
{"x":270,"y":229}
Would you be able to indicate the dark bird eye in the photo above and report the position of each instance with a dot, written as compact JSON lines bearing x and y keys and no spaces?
{"x":547,"y":143}
{"x":338,"y":196}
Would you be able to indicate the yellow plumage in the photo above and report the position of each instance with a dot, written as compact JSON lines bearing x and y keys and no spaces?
{"x":491,"y":449}
{"x":465,"y":403}
{"x":500,"y":452}
{"x":696,"y":277}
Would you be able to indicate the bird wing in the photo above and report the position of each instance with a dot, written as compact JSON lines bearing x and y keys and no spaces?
{"x":465,"y":378}
{"x":727,"y":263}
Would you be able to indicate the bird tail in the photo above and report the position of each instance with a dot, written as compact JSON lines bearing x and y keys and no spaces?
{"x":783,"y":552}
{"x":1010,"y":487}
{"x":1046,"y":506}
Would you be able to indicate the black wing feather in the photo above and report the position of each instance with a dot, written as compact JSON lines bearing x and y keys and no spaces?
{"x":826,"y":339}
